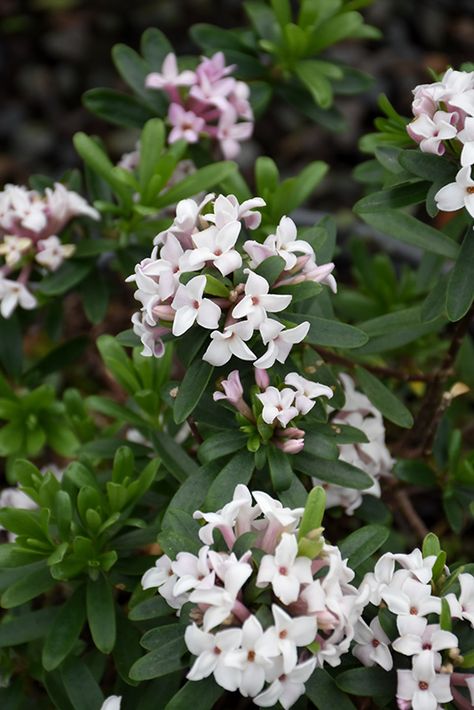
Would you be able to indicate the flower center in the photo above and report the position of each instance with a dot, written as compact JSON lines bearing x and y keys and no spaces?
{"x":470,"y":190}
{"x":283,"y":570}
{"x":375,"y":643}
{"x":427,"y":646}
{"x":255,"y":300}
{"x":282,"y":678}
{"x":217,"y":650}
{"x":218,"y":252}
{"x":423,"y":685}
{"x":251,"y":656}
{"x":196,"y":304}
{"x":413,"y":611}
{"x":283,"y":634}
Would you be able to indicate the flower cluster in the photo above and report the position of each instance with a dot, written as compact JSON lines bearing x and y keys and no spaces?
{"x":444,"y":121}
{"x":209,"y":245}
{"x":301,"y":621}
{"x":404,"y":584}
{"x":372,"y":456}
{"x":29,"y":225}
{"x":205,"y":102}
{"x":276,"y":407}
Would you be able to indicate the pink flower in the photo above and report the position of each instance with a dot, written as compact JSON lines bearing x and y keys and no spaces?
{"x":231,"y":133}
{"x":307,"y":391}
{"x":185,"y":124}
{"x":217,"y":246}
{"x":232,"y":387}
{"x":278,"y":404}
{"x":431,"y":132}
{"x":169,"y":75}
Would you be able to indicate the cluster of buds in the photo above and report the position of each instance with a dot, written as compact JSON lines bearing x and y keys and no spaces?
{"x":371,"y":456}
{"x":262,"y":622}
{"x":205,"y":102}
{"x":407,"y":586}
{"x":274,"y":414}
{"x":29,"y":225}
{"x":227,"y":296}
{"x":444,"y":123}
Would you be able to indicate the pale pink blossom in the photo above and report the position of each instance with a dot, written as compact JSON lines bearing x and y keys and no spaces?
{"x":211,"y":651}
{"x":230,"y":133}
{"x":216,"y":245}
{"x":287,"y":686}
{"x":457,"y":194}
{"x":430,"y":132}
{"x":163,"y":578}
{"x":239,"y":513}
{"x":280,"y":341}
{"x":51,"y":252}
{"x":232,"y":386}
{"x":278,"y":405}
{"x":232,"y":341}
{"x":466,"y":136}
{"x":250,"y":659}
{"x":411,"y":598}
{"x":185,"y":124}
{"x":285,"y":243}
{"x":192,"y":572}
{"x":169,"y":75}
{"x":372,"y":645}
{"x":287,"y":634}
{"x":422,"y":686}
{"x":13,"y":249}
{"x":306,"y":391}
{"x":257,"y":301}
{"x":14,"y":294}
{"x":227,"y":209}
{"x":150,"y":336}
{"x":191,"y":306}
{"x":466,"y":598}
{"x":284,"y":570}
{"x":416,"y":635}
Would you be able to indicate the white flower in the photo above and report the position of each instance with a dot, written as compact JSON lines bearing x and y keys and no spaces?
{"x":51,"y":253}
{"x":416,"y":635}
{"x":320,"y":274}
{"x":188,"y":212}
{"x":13,"y":294}
{"x":273,"y":510}
{"x":284,"y":570}
{"x":230,"y":342}
{"x":458,"y":90}
{"x":306,"y":391}
{"x":13,"y":249}
{"x":217,"y":246}
{"x":430,"y":132}
{"x":280,"y":340}
{"x":211,"y":651}
{"x":411,"y":598}
{"x":169,"y":75}
{"x":112,"y":703}
{"x":422,"y":686}
{"x":457,"y":194}
{"x":149,"y":335}
{"x":285,"y":243}
{"x":278,"y":404}
{"x":227,"y":209}
{"x":163,"y":577}
{"x":287,"y":687}
{"x":192,"y":572}
{"x":420,"y":567}
{"x":372,"y":645}
{"x":62,"y":205}
{"x":466,"y":136}
{"x":257,"y":301}
{"x":238,"y":513}
{"x":466,"y":598}
{"x":190,"y":307}
{"x":287,"y":634}
{"x":377,"y":581}
{"x":253,"y":663}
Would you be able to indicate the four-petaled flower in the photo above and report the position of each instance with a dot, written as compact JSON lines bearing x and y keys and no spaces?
{"x":457,"y":194}
{"x":211,"y":651}
{"x":169,"y":75}
{"x":278,"y":404}
{"x":230,"y":342}
{"x":284,"y":570}
{"x":306,"y":391}
{"x":422,"y":686}
{"x":372,"y":645}
{"x":191,"y":306}
{"x":257,"y":301}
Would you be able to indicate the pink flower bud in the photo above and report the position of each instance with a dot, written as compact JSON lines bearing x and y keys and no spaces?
{"x":291,"y":446}
{"x":164,"y":312}
{"x":291,"y":433}
{"x":262,"y":378}
{"x":232,"y":387}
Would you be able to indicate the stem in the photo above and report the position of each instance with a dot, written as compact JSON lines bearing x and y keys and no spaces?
{"x":460,"y":701}
{"x":195,"y":430}
{"x":240,"y":611}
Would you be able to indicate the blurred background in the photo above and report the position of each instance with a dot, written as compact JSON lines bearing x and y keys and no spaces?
{"x":51,"y":51}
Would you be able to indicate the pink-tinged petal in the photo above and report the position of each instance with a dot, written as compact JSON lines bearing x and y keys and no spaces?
{"x":287,"y":415}
{"x":258,"y":252}
{"x":467,"y":155}
{"x":269,"y":414}
{"x":267,"y":571}
{"x":228,"y":262}
{"x":208,"y":314}
{"x":364,"y":654}
{"x":286,"y":551}
{"x":183,"y":320}
{"x":203,"y":666}
{"x":243,"y":308}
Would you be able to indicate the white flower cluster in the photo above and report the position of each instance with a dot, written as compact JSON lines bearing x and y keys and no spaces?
{"x":207,"y":244}
{"x":280,"y":406}
{"x":29,"y":224}
{"x":205,"y":102}
{"x":403,"y":584}
{"x":444,"y":120}
{"x":373,"y":457}
{"x":307,"y":622}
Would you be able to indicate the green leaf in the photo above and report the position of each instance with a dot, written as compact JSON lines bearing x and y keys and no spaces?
{"x":313,"y":512}
{"x":32,"y":584}
{"x":176,"y":460}
{"x":317,"y":84}
{"x":399,"y":196}
{"x":238,"y":470}
{"x":281,"y":471}
{"x":431,"y":545}
{"x":152,"y":608}
{"x":101,"y":613}
{"x":81,"y":687}
{"x":407,"y":229}
{"x":222,"y":444}
{"x":152,"y":141}
{"x":282,"y":10}
{"x":460,"y":293}
{"x":64,"y":633}
{"x":154,"y":46}
{"x":191,"y":389}
{"x":427,"y":166}
{"x":200,"y":695}
{"x":191,"y":494}
{"x":199,"y":181}
{"x":271,"y":268}
{"x":11,"y":345}
{"x":134,"y":70}
{"x":445,"y":619}
{"x":361,"y":544}
{"x":331,"y":333}
{"x":166,"y":656}
{"x":95,"y":297}
{"x":368,"y":682}
{"x":27,"y":627}
{"x":266,"y":176}
{"x":384,"y":400}
{"x":96,"y":159}
{"x":322,"y":690}
{"x":337,"y":472}
{"x":65,"y":278}
{"x":60,"y":357}
{"x":116,"y":107}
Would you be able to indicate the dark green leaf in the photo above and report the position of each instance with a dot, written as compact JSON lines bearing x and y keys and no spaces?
{"x":11,"y":345}
{"x":271,"y":268}
{"x":322,"y":690}
{"x":330,"y":332}
{"x":27,"y":627}
{"x":81,"y":687}
{"x":101,"y":613}
{"x":222,"y":444}
{"x":460,"y":293}
{"x":281,"y":471}
{"x":176,"y":460}
{"x":150,"y":609}
{"x":191,"y":389}
{"x":384,"y":400}
{"x":338,"y":472}
{"x":166,"y":656}
{"x":238,"y":470}
{"x":200,"y":695}
{"x":64,"y":633}
{"x":199,"y":181}
{"x":31,"y":585}
{"x":361,"y":544}
{"x":368,"y":682}
{"x":117,"y":108}
{"x":65,"y":278}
